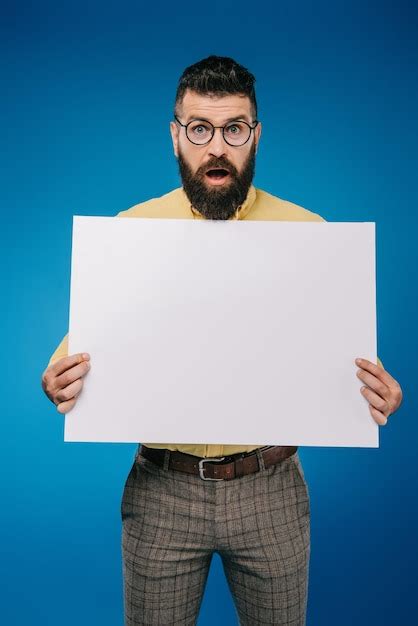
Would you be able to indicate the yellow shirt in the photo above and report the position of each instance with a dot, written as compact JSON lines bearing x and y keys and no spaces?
{"x":259,"y":205}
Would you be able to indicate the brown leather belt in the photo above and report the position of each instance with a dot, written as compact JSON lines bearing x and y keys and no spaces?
{"x":218,"y":468}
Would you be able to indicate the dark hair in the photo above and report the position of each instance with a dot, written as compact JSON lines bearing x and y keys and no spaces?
{"x":219,"y":76}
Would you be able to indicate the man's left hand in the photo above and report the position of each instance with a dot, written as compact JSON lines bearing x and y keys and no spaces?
{"x":382,"y":391}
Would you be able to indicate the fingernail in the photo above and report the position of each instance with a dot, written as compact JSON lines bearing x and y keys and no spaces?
{"x":86,"y":356}
{"x":358,"y":361}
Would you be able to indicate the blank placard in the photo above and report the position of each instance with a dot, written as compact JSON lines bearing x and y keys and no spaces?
{"x":224,"y":332}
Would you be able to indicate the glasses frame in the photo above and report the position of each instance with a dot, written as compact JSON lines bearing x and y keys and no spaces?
{"x":213,"y":131}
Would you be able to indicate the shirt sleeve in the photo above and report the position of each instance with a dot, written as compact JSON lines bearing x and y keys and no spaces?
{"x":61,"y":351}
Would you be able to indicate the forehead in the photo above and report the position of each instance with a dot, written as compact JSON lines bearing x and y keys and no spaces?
{"x":215,"y":108}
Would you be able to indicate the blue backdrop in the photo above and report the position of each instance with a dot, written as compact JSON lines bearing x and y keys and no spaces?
{"x":86,"y":100}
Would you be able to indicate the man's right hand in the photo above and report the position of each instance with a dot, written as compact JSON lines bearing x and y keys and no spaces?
{"x":63,"y":380}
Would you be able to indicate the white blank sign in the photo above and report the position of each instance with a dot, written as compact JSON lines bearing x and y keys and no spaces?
{"x":222,"y":332}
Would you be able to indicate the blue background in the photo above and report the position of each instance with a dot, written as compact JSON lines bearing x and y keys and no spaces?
{"x":87,"y":96}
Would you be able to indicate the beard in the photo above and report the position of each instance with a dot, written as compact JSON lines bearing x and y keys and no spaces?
{"x":217,"y":202}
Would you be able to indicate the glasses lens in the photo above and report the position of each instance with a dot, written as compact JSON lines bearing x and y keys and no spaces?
{"x":237,"y":133}
{"x":199,"y":132}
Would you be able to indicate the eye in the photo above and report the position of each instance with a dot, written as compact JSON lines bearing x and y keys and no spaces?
{"x":236,"y":128}
{"x":199,"y":128}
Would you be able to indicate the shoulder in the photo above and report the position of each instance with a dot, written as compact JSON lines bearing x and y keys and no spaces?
{"x":269,"y":207}
{"x":170,"y":204}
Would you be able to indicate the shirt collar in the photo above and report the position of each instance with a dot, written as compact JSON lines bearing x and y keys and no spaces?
{"x":240,"y":213}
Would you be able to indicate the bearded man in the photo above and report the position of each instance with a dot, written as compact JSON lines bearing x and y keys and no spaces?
{"x":184,"y":502}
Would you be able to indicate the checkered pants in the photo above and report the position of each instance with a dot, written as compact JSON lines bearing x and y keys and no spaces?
{"x":173,"y":522}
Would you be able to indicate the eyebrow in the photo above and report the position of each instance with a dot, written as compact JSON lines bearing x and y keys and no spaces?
{"x":236,"y":118}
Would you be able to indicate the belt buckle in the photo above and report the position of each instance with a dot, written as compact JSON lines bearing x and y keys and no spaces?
{"x":201,"y":468}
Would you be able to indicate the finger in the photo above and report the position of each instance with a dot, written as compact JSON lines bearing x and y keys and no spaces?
{"x":376,"y":401}
{"x":374,"y":383}
{"x":378,"y":417}
{"x":69,"y":392}
{"x":69,"y":376}
{"x":377,"y":371}
{"x":65,"y":407}
{"x":66,"y":362}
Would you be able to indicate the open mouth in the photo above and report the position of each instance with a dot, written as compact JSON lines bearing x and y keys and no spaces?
{"x":217,"y":175}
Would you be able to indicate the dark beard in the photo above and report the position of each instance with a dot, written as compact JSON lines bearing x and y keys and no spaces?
{"x":217,"y":203}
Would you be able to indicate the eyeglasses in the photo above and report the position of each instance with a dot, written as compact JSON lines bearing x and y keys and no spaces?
{"x":200,"y":132}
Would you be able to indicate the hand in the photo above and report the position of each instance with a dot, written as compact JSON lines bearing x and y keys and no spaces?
{"x":382,"y":391}
{"x":63,"y":380}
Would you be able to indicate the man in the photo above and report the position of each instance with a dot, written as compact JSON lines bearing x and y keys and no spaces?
{"x":249,"y":503}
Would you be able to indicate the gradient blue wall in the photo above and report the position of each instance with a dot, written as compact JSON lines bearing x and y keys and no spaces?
{"x":86,"y":100}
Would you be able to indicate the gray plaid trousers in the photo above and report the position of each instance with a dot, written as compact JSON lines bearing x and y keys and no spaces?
{"x":173,"y":523}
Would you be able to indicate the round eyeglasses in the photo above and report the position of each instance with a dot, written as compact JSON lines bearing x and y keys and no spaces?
{"x":200,"y":132}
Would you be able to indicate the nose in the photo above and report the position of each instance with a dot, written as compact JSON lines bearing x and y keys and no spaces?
{"x":217,"y":145}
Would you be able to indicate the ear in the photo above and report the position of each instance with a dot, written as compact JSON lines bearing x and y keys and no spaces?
{"x":257,"y":135}
{"x":174,"y":130}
